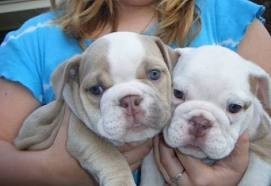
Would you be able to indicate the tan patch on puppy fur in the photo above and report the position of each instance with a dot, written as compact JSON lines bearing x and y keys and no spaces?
{"x":94,"y":69}
{"x":261,"y":143}
{"x":152,"y":61}
{"x":169,"y":55}
{"x":73,"y":84}
{"x":258,"y":85}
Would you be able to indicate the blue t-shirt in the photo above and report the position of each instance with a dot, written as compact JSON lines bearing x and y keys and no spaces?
{"x":30,"y":54}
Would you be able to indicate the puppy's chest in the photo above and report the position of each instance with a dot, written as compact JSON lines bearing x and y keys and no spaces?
{"x":257,"y":173}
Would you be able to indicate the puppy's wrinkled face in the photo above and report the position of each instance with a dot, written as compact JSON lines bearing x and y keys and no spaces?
{"x":125,"y":87}
{"x":213,"y":101}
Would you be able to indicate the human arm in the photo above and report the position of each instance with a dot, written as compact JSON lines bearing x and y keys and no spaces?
{"x":9,"y":124}
{"x":256,"y":45}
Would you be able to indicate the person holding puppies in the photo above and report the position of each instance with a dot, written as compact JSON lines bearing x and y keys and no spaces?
{"x":44,"y":42}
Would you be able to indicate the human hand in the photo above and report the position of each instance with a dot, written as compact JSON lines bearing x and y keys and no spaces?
{"x":226,"y":172}
{"x":135,"y":153}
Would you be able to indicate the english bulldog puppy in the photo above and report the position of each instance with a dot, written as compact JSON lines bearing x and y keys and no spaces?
{"x":118,"y":91}
{"x":218,"y":95}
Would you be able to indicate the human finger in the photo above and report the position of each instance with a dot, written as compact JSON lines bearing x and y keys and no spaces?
{"x":169,"y":160}
{"x":192,"y":166}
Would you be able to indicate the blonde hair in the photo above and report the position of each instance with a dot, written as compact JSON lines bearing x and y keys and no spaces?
{"x":88,"y":18}
{"x":176,"y":18}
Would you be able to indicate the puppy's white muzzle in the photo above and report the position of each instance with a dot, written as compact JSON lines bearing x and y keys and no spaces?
{"x":131,"y":112}
{"x":201,"y":129}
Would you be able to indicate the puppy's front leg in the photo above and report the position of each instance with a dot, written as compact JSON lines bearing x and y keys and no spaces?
{"x":100,"y":158}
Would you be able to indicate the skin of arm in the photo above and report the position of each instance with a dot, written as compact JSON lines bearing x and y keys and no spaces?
{"x":256,"y":47}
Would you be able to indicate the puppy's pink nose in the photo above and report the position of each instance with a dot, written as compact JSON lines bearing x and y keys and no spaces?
{"x":199,"y":126}
{"x":131,"y":103}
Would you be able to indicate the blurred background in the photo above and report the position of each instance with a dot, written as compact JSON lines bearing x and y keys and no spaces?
{"x":14,"y":12}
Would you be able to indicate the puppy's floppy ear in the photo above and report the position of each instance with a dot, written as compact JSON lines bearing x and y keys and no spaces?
{"x":170,"y":55}
{"x":260,"y":85}
{"x":66,"y":83}
{"x":65,"y":72}
{"x":41,"y":127}
{"x":39,"y":130}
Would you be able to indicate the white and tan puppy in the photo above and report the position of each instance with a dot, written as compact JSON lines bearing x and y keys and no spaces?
{"x":117,"y":91}
{"x":218,"y":95}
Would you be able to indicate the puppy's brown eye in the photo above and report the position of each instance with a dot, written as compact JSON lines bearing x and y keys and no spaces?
{"x":179,"y":94}
{"x":154,"y":74}
{"x":234,"y":108}
{"x":96,"y":90}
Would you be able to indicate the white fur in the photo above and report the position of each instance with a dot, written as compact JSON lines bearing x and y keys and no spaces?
{"x":134,"y":53}
{"x":259,"y":173}
{"x":176,"y":135}
{"x":212,"y":77}
{"x":114,"y":125}
{"x":127,"y":106}
{"x":150,"y":175}
{"x":111,"y":118}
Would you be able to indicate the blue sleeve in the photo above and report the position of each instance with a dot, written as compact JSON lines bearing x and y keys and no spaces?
{"x":19,"y":59}
{"x":233,"y":17}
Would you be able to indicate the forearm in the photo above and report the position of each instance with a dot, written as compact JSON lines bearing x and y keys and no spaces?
{"x":43,"y":168}
{"x":23,"y":167}
{"x":256,"y":46}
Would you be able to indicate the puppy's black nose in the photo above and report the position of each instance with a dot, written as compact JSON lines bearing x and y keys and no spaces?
{"x":199,"y":126}
{"x":131,"y":103}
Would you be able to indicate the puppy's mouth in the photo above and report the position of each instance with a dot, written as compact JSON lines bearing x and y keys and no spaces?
{"x":135,"y":124}
{"x":137,"y":127}
{"x":195,"y":150}
{"x":194,"y":145}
